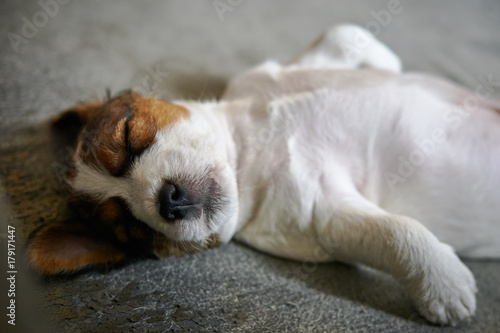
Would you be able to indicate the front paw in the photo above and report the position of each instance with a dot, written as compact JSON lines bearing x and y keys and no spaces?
{"x":444,"y":291}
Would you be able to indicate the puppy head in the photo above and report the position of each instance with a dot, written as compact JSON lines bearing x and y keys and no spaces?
{"x":146,"y":176}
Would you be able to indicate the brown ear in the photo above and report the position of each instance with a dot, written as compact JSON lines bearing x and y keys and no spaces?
{"x":74,"y":119}
{"x":69,"y":247}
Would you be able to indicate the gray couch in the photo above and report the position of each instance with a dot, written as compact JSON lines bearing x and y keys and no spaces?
{"x":54,"y":56}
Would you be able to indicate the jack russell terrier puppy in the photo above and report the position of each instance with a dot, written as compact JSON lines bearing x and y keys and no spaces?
{"x":336,"y":156}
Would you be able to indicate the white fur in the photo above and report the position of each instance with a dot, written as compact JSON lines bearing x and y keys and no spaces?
{"x":318,"y":149}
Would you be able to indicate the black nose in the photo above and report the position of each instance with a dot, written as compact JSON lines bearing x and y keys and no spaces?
{"x":175,"y":202}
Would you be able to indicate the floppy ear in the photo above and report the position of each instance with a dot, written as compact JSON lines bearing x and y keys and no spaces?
{"x":58,"y":248}
{"x":74,"y":119}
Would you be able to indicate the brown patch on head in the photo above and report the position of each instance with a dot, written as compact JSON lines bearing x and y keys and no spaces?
{"x":115,"y":132}
{"x":163,"y":113}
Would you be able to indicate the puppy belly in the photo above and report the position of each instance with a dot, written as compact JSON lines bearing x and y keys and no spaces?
{"x":455,"y":192}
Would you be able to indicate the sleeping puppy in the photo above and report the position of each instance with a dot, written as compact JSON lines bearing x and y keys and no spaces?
{"x":336,"y":156}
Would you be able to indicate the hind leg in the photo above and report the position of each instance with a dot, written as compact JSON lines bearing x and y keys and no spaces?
{"x":347,"y":47}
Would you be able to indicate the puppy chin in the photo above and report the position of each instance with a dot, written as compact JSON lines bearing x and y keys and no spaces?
{"x":192,"y":231}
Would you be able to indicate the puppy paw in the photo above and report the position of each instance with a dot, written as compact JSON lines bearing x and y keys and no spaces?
{"x":445,"y":293}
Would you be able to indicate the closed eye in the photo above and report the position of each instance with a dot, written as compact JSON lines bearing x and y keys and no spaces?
{"x":116,"y":136}
{"x":138,"y":136}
